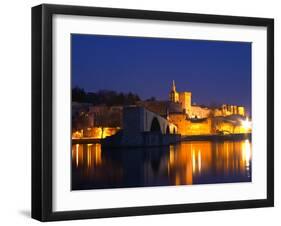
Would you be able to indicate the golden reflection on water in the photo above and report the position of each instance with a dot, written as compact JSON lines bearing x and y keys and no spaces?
{"x":192,"y":159}
{"x":185,"y":163}
{"x":91,"y":154}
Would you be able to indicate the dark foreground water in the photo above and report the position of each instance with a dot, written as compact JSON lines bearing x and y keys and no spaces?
{"x":196,"y":162}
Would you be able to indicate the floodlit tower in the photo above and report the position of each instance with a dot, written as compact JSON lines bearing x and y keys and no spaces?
{"x":174,"y":86}
{"x":185,"y":101}
{"x":174,"y":95}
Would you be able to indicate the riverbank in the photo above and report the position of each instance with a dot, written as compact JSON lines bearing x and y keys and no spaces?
{"x":218,"y":137}
{"x":215,"y":137}
{"x":86,"y":140}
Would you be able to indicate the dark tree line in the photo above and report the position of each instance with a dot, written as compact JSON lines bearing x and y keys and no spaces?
{"x":104,"y":97}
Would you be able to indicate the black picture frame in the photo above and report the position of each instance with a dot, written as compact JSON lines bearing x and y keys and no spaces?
{"x":42,"y":111}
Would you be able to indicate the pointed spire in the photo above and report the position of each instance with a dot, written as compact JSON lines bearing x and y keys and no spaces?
{"x":174,"y":86}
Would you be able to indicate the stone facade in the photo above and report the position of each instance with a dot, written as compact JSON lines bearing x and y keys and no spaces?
{"x":200,"y":120}
{"x":188,"y":126}
{"x":200,"y":112}
{"x":185,"y":102}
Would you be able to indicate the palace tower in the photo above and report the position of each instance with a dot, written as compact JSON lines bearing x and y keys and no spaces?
{"x":174,"y":95}
{"x":183,"y":98}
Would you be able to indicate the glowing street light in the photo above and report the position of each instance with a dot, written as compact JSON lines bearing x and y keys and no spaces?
{"x":246,"y":124}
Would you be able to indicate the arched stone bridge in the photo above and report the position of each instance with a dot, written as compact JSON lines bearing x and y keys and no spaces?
{"x":139,"y":119}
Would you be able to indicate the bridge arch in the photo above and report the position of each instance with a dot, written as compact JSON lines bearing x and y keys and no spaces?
{"x":155,"y":125}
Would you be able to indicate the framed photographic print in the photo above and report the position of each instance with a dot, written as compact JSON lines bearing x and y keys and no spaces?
{"x":145,"y":112}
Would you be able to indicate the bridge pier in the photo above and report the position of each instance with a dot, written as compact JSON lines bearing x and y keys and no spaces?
{"x":143,"y":128}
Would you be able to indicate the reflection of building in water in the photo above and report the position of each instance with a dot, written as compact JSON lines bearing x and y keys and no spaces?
{"x":230,"y":161}
{"x":155,"y":166}
{"x":201,"y":161}
{"x":195,"y":162}
{"x":88,"y":161}
{"x":188,"y":160}
{"x":88,"y":155}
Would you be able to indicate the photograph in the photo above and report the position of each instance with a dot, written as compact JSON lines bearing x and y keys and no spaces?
{"x":152,"y":111}
{"x":141,"y":112}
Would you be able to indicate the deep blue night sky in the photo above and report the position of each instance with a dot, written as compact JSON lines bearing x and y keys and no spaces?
{"x":214,"y":71}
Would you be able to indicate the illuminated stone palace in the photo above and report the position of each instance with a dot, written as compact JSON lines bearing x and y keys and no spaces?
{"x":196,"y":111}
{"x":189,"y":119}
{"x":202,"y":120}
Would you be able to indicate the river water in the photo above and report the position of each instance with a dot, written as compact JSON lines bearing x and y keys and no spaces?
{"x":186,"y":163}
